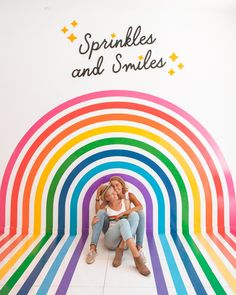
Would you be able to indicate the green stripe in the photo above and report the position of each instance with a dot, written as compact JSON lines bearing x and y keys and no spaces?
{"x":204,"y":265}
{"x":182,"y":188}
{"x":114,"y":219}
{"x":74,"y":157}
{"x":111,"y":141}
{"x":21,"y":269}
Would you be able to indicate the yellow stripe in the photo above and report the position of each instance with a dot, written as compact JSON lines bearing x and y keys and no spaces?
{"x":121,"y":129}
{"x":218,"y":262}
{"x":11,"y":262}
{"x":146,"y":134}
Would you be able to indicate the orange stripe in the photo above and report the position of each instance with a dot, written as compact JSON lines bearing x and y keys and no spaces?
{"x":144,"y":121}
{"x":12,"y":246}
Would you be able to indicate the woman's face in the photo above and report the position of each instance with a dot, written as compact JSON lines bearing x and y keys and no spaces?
{"x":117,"y":186}
{"x":111,"y":195}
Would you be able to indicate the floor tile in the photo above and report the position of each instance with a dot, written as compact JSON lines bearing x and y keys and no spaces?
{"x":127,"y":275}
{"x":91,"y":274}
{"x":129,"y":291}
{"x":73,"y":291}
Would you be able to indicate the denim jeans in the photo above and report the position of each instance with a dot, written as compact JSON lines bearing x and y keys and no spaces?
{"x":122,"y":229}
{"x":101,"y":225}
{"x":140,"y":229}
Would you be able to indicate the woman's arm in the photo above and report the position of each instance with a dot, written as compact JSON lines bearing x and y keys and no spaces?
{"x":99,"y":205}
{"x":137,"y":206}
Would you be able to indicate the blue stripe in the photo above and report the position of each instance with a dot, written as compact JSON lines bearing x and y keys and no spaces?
{"x":138,"y":170}
{"x":54,"y":268}
{"x":39,"y":266}
{"x":161,"y":208}
{"x":34,"y":274}
{"x":175,"y":274}
{"x":158,"y":273}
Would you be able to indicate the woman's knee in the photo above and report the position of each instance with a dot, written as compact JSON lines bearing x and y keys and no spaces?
{"x":123,"y":222}
{"x":110,"y":245}
{"x":101,"y":214}
{"x":124,"y":226}
{"x":141,"y":214}
{"x":133,"y":216}
{"x":141,"y":217}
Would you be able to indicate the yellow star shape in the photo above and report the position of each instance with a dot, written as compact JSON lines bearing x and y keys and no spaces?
{"x":173,"y":56}
{"x":113,"y":35}
{"x":140,"y":57}
{"x":64,"y":30}
{"x":180,"y":65}
{"x":171,"y":72}
{"x":72,"y":37}
{"x":74,"y":23}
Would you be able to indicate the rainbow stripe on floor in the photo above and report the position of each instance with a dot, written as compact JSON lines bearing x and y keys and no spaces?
{"x":159,"y":149}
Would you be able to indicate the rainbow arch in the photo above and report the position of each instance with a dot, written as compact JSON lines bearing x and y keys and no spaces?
{"x":88,"y":139}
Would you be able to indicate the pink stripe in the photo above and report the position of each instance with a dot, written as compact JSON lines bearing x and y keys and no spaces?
{"x":134,"y":94}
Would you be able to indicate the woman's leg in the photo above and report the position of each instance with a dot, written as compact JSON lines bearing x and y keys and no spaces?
{"x":102,"y":224}
{"x":140,"y":230}
{"x":133,"y":220}
{"x":113,"y":235}
{"x":112,"y":239}
{"x":123,"y":228}
{"x":98,"y":227}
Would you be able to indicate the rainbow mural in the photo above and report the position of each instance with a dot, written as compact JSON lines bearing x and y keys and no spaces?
{"x":157,"y":148}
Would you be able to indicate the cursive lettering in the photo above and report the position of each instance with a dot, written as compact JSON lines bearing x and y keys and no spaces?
{"x":132,"y":38}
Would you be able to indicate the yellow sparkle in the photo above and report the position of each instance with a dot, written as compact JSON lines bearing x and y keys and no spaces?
{"x":113,"y":35}
{"x":64,"y":30}
{"x":72,"y":37}
{"x":180,"y":65}
{"x":173,"y":56}
{"x":171,"y":72}
{"x":74,"y":23}
{"x":140,"y":57}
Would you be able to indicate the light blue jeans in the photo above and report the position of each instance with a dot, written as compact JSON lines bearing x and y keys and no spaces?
{"x":101,"y":225}
{"x":122,"y":229}
{"x":140,"y":229}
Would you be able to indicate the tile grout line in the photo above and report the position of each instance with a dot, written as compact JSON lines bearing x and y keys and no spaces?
{"x":105,"y":274}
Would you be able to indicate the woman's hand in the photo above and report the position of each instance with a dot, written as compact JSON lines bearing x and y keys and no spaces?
{"x":119,"y":216}
{"x":95,"y":220}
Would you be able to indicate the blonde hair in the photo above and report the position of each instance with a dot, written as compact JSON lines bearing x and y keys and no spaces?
{"x":121,"y":181}
{"x":104,"y":191}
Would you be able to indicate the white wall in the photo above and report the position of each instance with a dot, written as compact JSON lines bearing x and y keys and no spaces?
{"x":36,"y":60}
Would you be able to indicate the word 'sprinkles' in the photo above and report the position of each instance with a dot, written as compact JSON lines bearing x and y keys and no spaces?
{"x":132,"y":38}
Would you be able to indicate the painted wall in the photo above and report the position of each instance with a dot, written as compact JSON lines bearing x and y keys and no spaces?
{"x":37,"y":61}
{"x":176,"y":127}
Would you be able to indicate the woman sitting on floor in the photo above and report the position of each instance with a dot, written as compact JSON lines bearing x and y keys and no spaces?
{"x":121,"y":227}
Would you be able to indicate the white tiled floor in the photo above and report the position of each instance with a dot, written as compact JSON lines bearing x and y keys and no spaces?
{"x":129,"y":291}
{"x":106,"y":279}
{"x":101,"y":278}
{"x":79,"y":291}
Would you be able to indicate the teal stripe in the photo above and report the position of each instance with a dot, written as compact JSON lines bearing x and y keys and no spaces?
{"x":179,"y":285}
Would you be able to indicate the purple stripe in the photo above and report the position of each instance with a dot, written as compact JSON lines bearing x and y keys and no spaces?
{"x":138,"y":184}
{"x":158,"y":274}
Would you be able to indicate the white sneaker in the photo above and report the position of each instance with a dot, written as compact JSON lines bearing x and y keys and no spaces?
{"x":141,"y":253}
{"x":90,"y":258}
